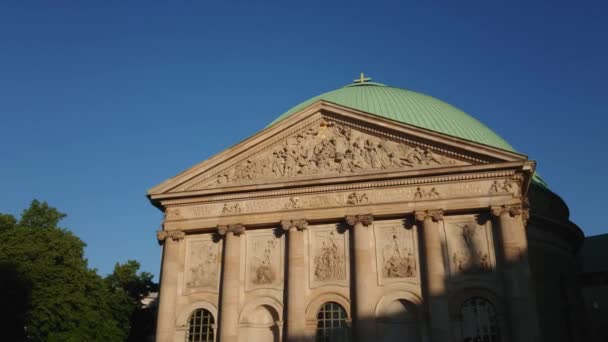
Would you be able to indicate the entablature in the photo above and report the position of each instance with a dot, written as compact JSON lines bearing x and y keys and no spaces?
{"x":383,"y":198}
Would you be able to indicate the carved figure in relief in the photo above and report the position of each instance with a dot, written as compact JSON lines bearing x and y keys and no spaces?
{"x":398,"y":261}
{"x":262,"y":268}
{"x":278,"y":163}
{"x":426,"y":194}
{"x":205,"y":271}
{"x":294,"y":203}
{"x":471,"y":259}
{"x":330,"y":261}
{"x":330,"y":148}
{"x":355,"y":198}
{"x":232,"y":208}
{"x":501,"y":187}
{"x":173,"y":214}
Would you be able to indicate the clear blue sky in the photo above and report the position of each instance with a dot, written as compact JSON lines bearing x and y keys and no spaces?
{"x":101,"y":100}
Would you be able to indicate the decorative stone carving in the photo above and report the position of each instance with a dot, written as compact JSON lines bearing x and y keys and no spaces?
{"x":329,"y":263}
{"x":335,"y":196}
{"x":296,"y":224}
{"x":330,"y":148}
{"x":294,"y":203}
{"x":469,"y":246}
{"x":329,"y":258}
{"x":264,"y":263}
{"x":435,"y":215}
{"x":263,"y":271}
{"x":511,"y":209}
{"x":203,"y":264}
{"x":471,"y":259}
{"x":236,"y":229}
{"x":231,"y":209}
{"x":398,"y":260}
{"x":175,"y":235}
{"x":396,"y":252}
{"x":365,"y":220}
{"x":357,"y":198}
{"x":504,"y":186}
{"x":421,"y":194}
{"x":173,"y":214}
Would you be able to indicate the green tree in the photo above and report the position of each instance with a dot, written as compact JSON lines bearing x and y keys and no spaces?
{"x":130,"y":288}
{"x":48,"y":291}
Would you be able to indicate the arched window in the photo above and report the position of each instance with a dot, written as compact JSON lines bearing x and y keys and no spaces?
{"x":479,"y":321}
{"x":200,"y":326}
{"x":331,"y":323}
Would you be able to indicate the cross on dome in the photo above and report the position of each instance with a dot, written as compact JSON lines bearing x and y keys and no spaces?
{"x":362,"y":79}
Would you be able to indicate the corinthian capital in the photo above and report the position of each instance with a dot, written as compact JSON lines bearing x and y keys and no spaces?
{"x":175,"y":235}
{"x":296,"y":224}
{"x":510,"y":209}
{"x":435,"y":215}
{"x":365,"y":220}
{"x":236,"y":229}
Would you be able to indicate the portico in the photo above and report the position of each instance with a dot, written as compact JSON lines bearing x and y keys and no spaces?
{"x":340,"y":224}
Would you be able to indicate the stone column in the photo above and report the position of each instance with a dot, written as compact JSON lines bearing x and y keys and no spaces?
{"x":229,"y":307}
{"x":434,"y":277}
{"x":521,"y":303}
{"x":364,"y":279}
{"x":165,"y":326}
{"x":296,"y":299}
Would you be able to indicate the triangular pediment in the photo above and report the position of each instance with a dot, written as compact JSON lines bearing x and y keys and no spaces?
{"x":327,"y":141}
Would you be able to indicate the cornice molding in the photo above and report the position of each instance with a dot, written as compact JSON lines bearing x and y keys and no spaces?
{"x":342,"y":187}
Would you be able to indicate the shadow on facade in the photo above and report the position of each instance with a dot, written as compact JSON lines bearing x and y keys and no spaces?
{"x":480,"y":300}
{"x":475,"y":302}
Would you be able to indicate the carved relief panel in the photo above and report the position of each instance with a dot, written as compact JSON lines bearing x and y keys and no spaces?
{"x":264,"y":264}
{"x":469,"y":245}
{"x":396,"y":251}
{"x":329,"y":260}
{"x":203,"y":263}
{"x":326,"y":147}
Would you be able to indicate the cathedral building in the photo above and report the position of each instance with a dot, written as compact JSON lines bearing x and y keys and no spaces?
{"x":368,"y":213}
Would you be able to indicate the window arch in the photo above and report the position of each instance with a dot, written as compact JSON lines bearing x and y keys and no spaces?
{"x":200,"y":326}
{"x":331,"y":323}
{"x":479,"y":320}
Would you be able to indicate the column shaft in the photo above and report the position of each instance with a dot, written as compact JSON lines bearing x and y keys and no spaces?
{"x":523,"y":317}
{"x":296,"y":298}
{"x":435,"y":275}
{"x":364,"y":277}
{"x":229,"y":308}
{"x":168,"y":289}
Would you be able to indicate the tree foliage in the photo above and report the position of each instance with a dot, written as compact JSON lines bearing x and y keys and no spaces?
{"x":49,"y":293}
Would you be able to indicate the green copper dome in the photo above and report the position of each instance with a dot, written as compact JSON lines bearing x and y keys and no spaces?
{"x":408,"y":107}
{"x":411,"y":108}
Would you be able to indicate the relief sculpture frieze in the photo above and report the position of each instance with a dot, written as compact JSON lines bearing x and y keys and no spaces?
{"x":203,"y":264}
{"x":396,"y":251}
{"x":329,"y":256}
{"x":469,"y":246}
{"x":332,"y":199}
{"x":327,"y":148}
{"x":264,"y":262}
